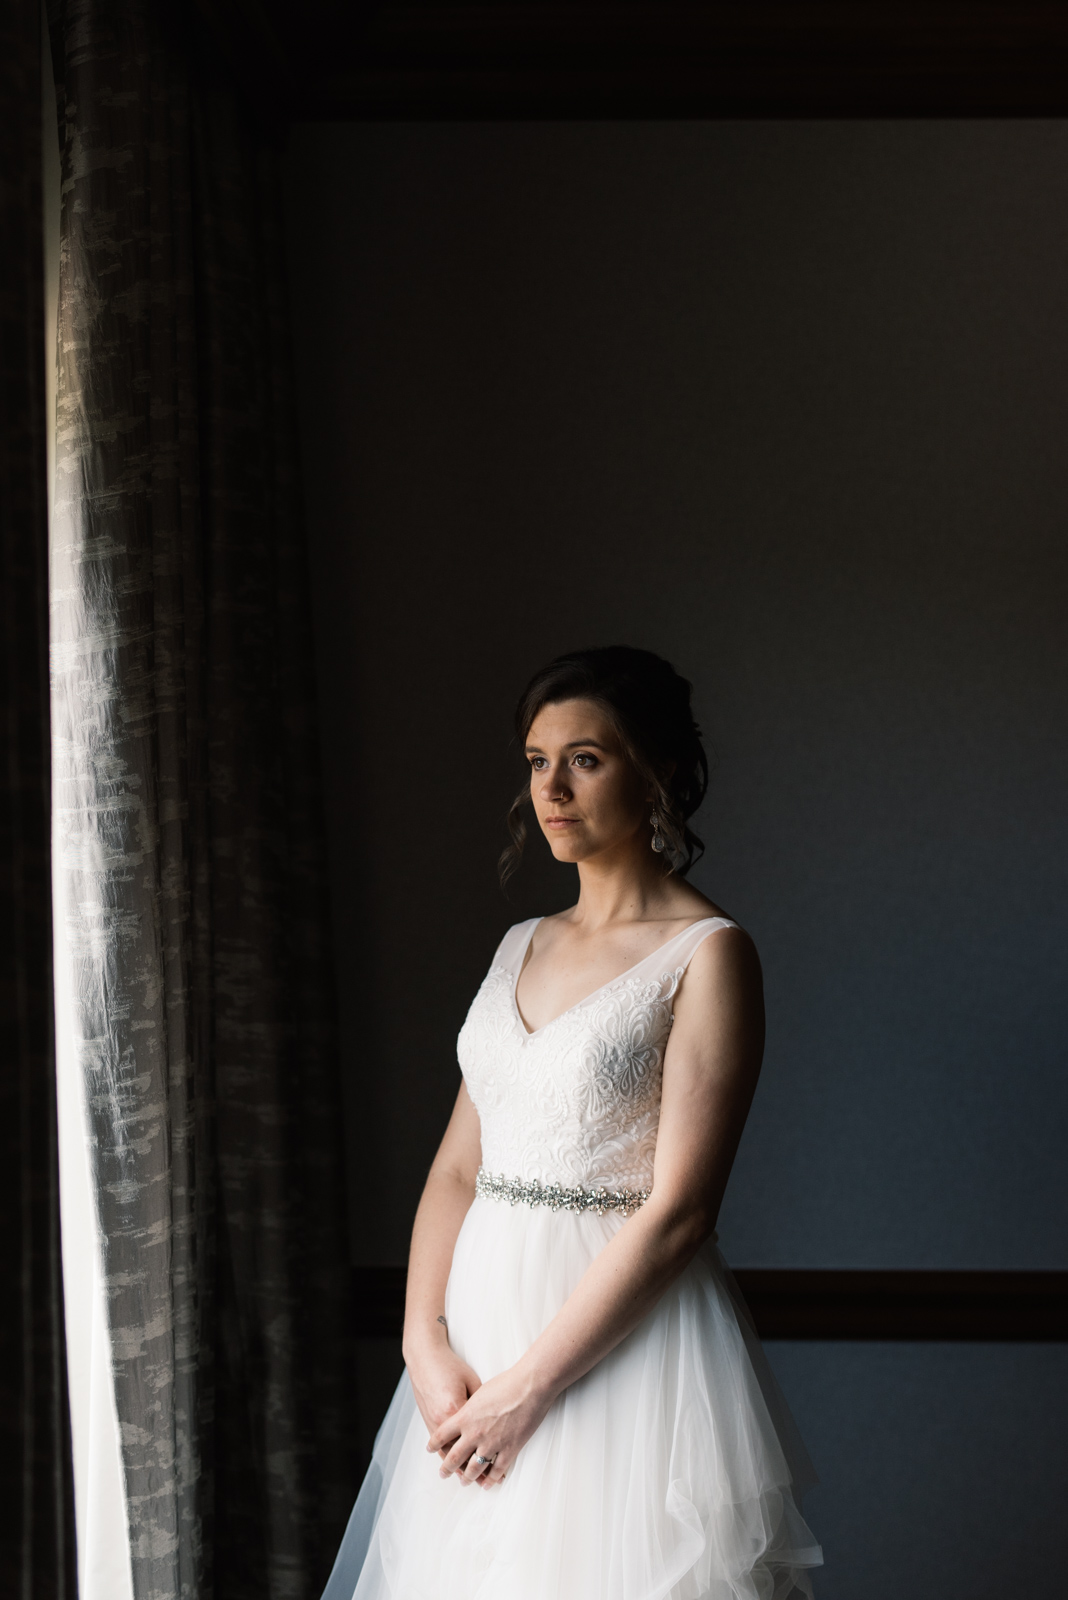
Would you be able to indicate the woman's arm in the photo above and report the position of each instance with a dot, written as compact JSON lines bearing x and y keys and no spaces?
{"x":442,"y":1382}
{"x":710,"y":1073}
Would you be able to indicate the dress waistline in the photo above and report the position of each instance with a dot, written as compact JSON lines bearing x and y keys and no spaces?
{"x":495,"y":1186}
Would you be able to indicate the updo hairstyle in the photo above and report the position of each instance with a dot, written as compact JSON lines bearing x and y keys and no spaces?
{"x":648,"y":704}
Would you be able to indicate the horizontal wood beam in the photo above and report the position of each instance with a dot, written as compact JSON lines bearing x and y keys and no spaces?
{"x":994,"y":1306}
{"x":907,"y":1305}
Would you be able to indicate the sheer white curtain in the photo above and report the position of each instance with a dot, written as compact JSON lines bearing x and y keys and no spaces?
{"x":100,"y":1506}
{"x":198,"y":1056}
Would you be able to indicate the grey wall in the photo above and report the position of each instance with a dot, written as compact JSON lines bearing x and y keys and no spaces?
{"x":942,"y":1467}
{"x":786,"y":403}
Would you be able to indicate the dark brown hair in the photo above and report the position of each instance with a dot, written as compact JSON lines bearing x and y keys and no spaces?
{"x":648,"y":704}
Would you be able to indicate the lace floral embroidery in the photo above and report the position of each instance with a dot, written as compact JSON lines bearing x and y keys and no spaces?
{"x":577,"y":1103}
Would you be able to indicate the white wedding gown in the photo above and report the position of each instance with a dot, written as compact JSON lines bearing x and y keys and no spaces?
{"x":671,"y":1471}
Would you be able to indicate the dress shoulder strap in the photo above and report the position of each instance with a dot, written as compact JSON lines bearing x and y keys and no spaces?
{"x":679,"y":953}
{"x":513,"y":946}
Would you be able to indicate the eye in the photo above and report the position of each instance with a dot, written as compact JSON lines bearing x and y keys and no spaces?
{"x":538,"y":763}
{"x":584,"y":759}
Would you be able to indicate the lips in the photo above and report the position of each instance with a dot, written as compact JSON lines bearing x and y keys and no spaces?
{"x":560,"y":822}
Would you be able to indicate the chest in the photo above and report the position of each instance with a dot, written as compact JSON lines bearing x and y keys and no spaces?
{"x":554,"y":980}
{"x":603,"y":1055}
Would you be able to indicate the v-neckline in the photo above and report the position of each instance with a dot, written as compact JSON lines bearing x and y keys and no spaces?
{"x":532,"y":1033}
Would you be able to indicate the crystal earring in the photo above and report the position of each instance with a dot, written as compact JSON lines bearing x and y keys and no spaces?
{"x":658,"y":837}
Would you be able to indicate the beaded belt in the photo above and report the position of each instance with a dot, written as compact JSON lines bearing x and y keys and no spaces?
{"x":493,"y":1186}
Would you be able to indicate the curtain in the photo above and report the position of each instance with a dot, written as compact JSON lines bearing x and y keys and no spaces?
{"x":188,"y":808}
{"x":36,"y":1491}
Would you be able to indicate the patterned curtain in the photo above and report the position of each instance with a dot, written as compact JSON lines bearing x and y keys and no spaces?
{"x":188,"y":808}
{"x":36,"y":1492}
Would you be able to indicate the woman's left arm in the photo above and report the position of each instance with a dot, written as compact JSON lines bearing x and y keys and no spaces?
{"x":710,"y":1072}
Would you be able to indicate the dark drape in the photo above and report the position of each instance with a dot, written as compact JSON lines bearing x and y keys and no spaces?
{"x":37,"y":1519}
{"x":188,"y":807}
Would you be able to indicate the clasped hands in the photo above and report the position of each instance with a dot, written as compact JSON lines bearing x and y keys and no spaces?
{"x":467,"y":1418}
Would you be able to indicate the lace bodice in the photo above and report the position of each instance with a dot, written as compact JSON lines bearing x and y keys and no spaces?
{"x":576,"y":1102}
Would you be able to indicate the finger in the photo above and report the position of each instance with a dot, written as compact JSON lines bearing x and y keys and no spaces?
{"x":475,"y":1468}
{"x":444,"y":1436}
{"x":456,"y":1459}
{"x":492,"y":1477}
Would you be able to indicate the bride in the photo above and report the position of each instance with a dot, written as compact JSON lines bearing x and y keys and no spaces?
{"x":586,"y":1413}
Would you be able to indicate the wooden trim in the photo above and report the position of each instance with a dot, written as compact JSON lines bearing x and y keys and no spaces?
{"x":516,"y":59}
{"x":995,"y":1306}
{"x":907,"y":1305}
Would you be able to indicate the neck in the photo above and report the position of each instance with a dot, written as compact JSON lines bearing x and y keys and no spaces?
{"x":629,"y":883}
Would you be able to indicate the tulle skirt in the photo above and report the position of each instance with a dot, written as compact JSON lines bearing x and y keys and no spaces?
{"x":671,"y":1471}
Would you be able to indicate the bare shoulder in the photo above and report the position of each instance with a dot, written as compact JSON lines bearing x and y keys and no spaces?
{"x":724,"y":966}
{"x":719,"y":1011}
{"x":688,"y":904}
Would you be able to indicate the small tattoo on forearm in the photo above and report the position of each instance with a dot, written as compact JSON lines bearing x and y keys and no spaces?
{"x":444,"y":1324}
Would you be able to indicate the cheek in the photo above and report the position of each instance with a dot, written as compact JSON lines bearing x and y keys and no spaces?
{"x":614,"y":802}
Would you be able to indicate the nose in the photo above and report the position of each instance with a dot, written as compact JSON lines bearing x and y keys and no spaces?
{"x":554,"y":784}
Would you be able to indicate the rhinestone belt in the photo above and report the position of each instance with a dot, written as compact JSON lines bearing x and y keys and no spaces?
{"x":494,"y":1186}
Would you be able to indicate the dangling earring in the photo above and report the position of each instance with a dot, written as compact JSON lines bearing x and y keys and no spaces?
{"x":658,"y":837}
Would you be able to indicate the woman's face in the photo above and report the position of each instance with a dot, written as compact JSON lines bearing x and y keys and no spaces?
{"x":587,"y":796}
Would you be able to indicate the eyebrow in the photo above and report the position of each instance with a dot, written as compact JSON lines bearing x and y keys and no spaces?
{"x":576,"y":744}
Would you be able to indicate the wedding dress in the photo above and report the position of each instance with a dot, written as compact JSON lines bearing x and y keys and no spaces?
{"x":671,"y":1470}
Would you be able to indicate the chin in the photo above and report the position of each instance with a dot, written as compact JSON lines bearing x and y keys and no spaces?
{"x":566,"y":849}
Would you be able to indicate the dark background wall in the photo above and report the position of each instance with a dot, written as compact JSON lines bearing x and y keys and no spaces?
{"x":785,"y":402}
